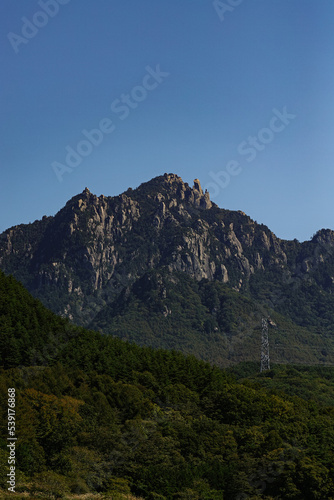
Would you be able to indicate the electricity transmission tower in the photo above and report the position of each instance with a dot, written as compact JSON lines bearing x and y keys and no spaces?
{"x":265,"y":359}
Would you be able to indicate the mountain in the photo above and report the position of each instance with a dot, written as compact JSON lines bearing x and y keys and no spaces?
{"x":162,"y":265}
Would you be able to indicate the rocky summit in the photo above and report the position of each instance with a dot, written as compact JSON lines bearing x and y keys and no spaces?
{"x":162,"y":265}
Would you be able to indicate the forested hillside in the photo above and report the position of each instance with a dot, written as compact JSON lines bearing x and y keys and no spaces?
{"x":99,"y":415}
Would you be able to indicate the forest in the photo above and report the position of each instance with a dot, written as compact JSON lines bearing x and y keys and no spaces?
{"x":99,"y":416}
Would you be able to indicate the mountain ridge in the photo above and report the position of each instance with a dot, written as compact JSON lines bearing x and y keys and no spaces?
{"x":79,"y":262}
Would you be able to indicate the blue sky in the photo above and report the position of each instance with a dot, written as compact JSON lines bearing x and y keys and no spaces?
{"x":239,"y":96}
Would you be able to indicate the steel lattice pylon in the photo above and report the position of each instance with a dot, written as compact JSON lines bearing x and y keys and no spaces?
{"x":265,"y":359}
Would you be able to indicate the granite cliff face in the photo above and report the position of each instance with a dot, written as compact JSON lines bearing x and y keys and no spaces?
{"x":96,"y":248}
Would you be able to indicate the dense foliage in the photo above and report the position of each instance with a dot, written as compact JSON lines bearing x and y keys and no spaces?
{"x":207,"y":319}
{"x":29,"y":333}
{"x":103,"y":415}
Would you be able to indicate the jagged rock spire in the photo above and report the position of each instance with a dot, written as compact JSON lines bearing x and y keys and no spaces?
{"x":197,"y":186}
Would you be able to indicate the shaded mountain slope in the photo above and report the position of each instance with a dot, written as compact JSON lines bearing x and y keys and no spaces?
{"x":29,"y":333}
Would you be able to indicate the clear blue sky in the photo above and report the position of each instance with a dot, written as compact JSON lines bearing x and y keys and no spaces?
{"x":227,"y":72}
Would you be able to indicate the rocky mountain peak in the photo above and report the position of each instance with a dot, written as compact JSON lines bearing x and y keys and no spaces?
{"x":172,"y":178}
{"x":324,"y":237}
{"x":171,"y":189}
